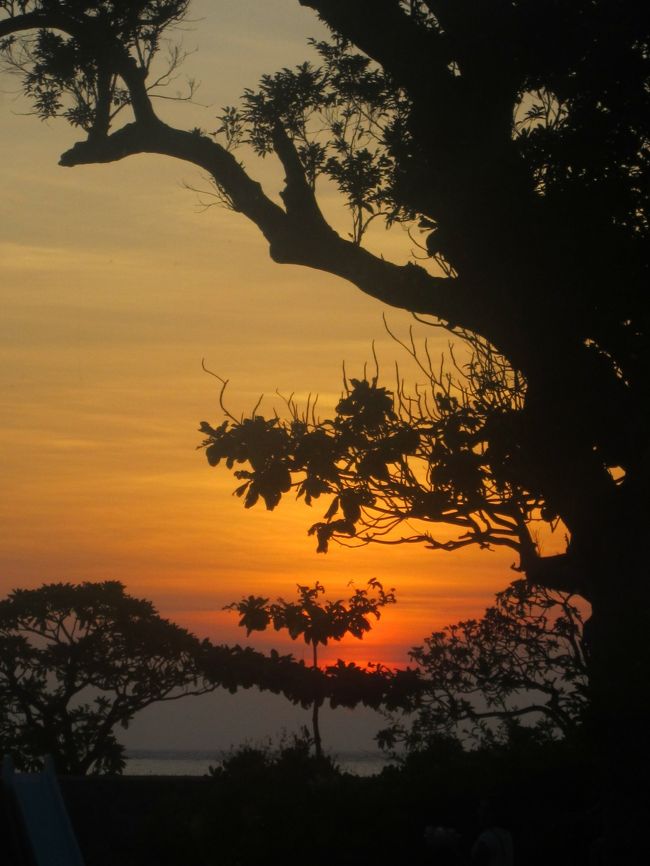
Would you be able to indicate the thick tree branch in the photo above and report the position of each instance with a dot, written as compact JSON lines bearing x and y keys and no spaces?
{"x":40,"y":20}
{"x":558,"y":573}
{"x":292,"y":238}
{"x":382,"y":29}
{"x":297,"y":195}
{"x":156,"y":137}
{"x":299,"y":235}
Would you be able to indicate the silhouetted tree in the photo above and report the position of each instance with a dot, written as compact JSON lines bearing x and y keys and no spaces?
{"x":515,"y":136}
{"x":524,"y":659}
{"x":78,"y":660}
{"x":315,"y":622}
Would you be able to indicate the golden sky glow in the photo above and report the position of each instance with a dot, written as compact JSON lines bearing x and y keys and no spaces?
{"x":115,"y":284}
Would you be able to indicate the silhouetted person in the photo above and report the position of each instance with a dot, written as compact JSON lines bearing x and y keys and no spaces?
{"x":493,"y":846}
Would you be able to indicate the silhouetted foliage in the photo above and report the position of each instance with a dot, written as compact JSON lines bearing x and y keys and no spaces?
{"x":67,"y":70}
{"x":316,"y":623}
{"x":76,"y":662}
{"x":292,"y":755}
{"x":515,"y":136}
{"x":343,"y":684}
{"x":523,"y":660}
{"x":394,"y":463}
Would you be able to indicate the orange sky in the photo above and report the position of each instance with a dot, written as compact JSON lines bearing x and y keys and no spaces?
{"x":114,"y":286}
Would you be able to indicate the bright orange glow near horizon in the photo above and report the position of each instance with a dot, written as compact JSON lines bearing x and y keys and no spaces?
{"x":115,"y":286}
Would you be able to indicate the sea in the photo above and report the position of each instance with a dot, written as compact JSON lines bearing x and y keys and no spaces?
{"x":167,"y":762}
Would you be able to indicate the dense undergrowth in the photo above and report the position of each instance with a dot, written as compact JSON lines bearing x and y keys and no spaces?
{"x":268,"y":805}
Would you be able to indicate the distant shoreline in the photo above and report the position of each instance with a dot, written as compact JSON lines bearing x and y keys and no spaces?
{"x":196,"y":762}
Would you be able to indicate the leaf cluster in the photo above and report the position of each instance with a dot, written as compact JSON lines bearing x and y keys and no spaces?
{"x":390,"y":461}
{"x":311,"y":619}
{"x":340,"y":116}
{"x":77,"y":75}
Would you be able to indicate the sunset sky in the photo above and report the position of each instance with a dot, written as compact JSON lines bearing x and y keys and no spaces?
{"x":115,"y":285}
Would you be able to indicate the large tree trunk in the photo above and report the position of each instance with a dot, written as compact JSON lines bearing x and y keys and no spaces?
{"x":610,"y":549}
{"x":619,"y":662}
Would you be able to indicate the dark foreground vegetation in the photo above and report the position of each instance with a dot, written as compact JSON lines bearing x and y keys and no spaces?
{"x":77,"y":662}
{"x":285,"y":806}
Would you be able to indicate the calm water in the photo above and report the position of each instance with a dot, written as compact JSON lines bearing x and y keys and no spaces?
{"x":145,"y":762}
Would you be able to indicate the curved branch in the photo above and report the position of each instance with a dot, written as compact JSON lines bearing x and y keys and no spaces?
{"x":297,"y":235}
{"x":41,"y":20}
{"x":292,"y":238}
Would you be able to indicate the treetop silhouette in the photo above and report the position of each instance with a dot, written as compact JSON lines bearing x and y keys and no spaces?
{"x":316,"y":622}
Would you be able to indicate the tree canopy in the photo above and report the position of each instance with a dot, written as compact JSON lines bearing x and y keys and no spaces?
{"x":76,"y":662}
{"x":524,"y":661}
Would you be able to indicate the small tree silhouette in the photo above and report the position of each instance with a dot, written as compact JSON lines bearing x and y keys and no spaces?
{"x":316,"y":621}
